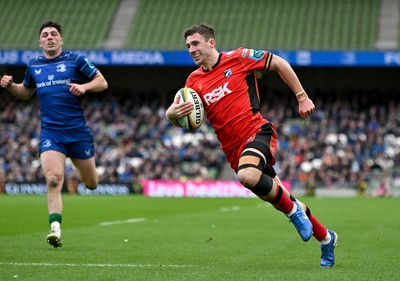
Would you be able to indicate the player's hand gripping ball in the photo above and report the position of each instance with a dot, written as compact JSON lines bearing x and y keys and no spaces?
{"x":193,"y":120}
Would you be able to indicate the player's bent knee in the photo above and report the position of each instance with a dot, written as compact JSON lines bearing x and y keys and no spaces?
{"x":54,"y":180}
{"x":263,"y":186}
{"x":248,"y":177}
{"x":91,"y":187}
{"x":91,"y":183}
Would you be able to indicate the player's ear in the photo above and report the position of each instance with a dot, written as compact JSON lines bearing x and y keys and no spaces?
{"x":212,"y":42}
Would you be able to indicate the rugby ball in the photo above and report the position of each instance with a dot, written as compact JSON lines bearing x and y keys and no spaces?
{"x":193,"y":120}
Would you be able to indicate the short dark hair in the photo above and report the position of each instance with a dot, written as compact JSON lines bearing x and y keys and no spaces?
{"x":204,"y":29}
{"x":54,"y":24}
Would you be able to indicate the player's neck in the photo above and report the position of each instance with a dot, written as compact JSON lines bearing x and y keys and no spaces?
{"x":52,"y":54}
{"x":212,"y":62}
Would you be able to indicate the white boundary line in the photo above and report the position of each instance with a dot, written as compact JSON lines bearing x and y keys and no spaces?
{"x":134,"y":220}
{"x":230,"y":209}
{"x":45,"y":264}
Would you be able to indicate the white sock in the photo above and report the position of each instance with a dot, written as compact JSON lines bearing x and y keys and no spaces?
{"x":55,"y":226}
{"x":327,"y":239}
{"x":293,"y":210}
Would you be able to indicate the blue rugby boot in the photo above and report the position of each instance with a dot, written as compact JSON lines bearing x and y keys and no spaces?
{"x":302,"y":223}
{"x":328,"y":255}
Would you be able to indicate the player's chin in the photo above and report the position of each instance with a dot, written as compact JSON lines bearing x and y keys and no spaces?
{"x":197,"y":60}
{"x":51,"y":48}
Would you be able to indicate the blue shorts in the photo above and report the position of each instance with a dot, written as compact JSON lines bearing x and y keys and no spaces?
{"x":76,"y":143}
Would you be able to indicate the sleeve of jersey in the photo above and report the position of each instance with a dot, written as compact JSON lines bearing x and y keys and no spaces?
{"x":28,"y":81}
{"x":256,"y":59}
{"x":86,"y":67}
{"x":189,"y":81}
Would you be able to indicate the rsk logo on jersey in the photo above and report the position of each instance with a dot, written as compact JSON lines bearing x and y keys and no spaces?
{"x":217,"y":94}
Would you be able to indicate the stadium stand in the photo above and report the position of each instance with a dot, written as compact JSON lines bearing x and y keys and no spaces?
{"x":85,"y":23}
{"x":284,"y":24}
{"x":276,"y":25}
{"x":388,"y":25}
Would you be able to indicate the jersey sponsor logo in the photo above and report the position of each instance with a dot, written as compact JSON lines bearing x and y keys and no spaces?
{"x":256,"y":54}
{"x":38,"y":71}
{"x":52,"y":82}
{"x":253,"y":54}
{"x":217,"y":94}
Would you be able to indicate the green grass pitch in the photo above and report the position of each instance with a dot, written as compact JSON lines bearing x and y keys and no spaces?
{"x":141,"y":238}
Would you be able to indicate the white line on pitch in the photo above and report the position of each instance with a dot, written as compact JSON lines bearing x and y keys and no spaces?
{"x":134,"y":220}
{"x":229,"y":209}
{"x":92,"y":264}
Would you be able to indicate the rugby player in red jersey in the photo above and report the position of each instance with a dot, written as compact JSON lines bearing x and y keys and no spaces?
{"x":226,"y":82}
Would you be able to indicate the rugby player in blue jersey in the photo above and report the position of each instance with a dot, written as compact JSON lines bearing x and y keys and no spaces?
{"x":60,"y":79}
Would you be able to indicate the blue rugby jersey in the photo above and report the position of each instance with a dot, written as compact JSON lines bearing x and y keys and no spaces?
{"x":60,"y":109}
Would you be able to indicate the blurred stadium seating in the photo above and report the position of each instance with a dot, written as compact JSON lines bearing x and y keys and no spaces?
{"x":283,"y":24}
{"x":85,"y":23}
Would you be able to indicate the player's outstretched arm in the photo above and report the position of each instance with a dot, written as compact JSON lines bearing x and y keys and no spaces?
{"x":280,"y":65}
{"x":17,"y":90}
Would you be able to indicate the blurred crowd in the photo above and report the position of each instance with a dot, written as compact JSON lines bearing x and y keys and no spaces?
{"x":133,"y":141}
{"x":352,"y":138}
{"x":350,"y":134}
